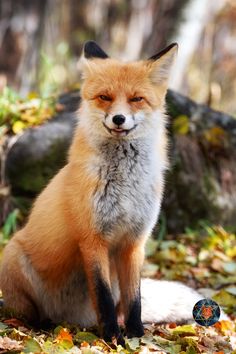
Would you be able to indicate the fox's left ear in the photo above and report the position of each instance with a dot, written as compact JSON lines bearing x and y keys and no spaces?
{"x":92,"y":50}
{"x":86,"y":65}
{"x":160,"y":64}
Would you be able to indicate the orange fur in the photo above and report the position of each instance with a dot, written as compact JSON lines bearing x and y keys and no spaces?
{"x":125,"y":81}
{"x":129,"y":272}
{"x":61,"y":234}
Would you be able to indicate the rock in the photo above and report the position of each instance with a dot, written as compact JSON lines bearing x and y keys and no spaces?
{"x":201,"y":182}
{"x":38,"y":154}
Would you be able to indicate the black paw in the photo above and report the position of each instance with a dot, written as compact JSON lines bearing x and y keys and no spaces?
{"x":135,"y":331}
{"x":120,"y":340}
{"x":110,"y":334}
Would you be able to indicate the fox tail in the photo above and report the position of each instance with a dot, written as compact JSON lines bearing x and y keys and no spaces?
{"x":168,"y":301}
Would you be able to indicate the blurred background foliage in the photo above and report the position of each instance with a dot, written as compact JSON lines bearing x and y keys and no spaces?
{"x":41,"y":41}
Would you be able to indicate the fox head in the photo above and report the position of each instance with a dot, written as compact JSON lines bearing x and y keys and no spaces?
{"x":123,"y":100}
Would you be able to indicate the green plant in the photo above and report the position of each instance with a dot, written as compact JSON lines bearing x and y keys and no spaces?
{"x":18,"y":113}
{"x":9,"y":226}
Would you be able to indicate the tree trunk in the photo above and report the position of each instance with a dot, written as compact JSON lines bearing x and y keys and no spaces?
{"x":31,"y":33}
{"x":21,"y":30}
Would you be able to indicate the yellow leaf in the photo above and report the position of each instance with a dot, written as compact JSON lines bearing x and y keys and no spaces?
{"x":32,"y":95}
{"x":224,"y":326}
{"x":231,"y":252}
{"x":29,"y":116}
{"x":181,"y":125}
{"x":185,"y":329}
{"x":216,"y":136}
{"x":18,"y":126}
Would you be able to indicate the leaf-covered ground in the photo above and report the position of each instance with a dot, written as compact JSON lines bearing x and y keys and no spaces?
{"x":205,"y":259}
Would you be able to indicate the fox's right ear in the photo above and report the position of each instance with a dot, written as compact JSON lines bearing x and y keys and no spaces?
{"x":92,"y":50}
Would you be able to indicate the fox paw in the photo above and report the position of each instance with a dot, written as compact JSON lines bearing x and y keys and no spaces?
{"x":135,"y":331}
{"x":113,"y":336}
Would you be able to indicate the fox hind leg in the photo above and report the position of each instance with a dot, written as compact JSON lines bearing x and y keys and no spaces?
{"x":18,"y":302}
{"x":18,"y":294}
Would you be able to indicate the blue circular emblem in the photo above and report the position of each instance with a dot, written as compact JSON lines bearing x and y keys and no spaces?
{"x":206,"y":312}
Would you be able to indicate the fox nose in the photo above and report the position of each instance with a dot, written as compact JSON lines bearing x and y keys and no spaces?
{"x":118,"y":119}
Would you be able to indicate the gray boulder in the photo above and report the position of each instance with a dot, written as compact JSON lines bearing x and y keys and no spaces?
{"x":201,"y":182}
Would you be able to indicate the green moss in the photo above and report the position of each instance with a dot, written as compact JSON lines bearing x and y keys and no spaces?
{"x":188,"y":201}
{"x":173,"y":109}
{"x":34,"y":175}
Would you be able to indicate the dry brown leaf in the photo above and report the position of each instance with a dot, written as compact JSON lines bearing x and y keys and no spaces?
{"x":10,"y":344}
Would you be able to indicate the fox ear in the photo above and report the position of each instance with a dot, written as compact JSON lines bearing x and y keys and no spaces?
{"x":92,"y":50}
{"x":160,"y":64}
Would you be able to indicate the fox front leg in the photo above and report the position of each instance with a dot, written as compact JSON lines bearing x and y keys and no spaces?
{"x":129,"y":263}
{"x":96,"y":261}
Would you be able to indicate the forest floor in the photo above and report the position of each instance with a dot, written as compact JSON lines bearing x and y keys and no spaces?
{"x":202,"y":259}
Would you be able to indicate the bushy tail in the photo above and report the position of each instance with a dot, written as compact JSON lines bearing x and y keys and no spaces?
{"x":168,"y":301}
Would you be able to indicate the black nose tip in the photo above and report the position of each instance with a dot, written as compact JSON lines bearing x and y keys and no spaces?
{"x":118,"y":119}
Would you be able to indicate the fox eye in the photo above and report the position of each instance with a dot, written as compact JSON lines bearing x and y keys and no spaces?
{"x":136,"y":99}
{"x":105,"y":98}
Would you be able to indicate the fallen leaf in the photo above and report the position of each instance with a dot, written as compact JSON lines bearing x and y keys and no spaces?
{"x":10,"y":344}
{"x":32,"y":346}
{"x":133,"y":343}
{"x":84,"y":345}
{"x":217,"y":264}
{"x":149,"y":270}
{"x":85,"y":337}
{"x":151,"y":247}
{"x":3,"y":327}
{"x":64,"y":334}
{"x":172,"y":325}
{"x":230,"y":267}
{"x":224,"y":298}
{"x":185,"y":329}
{"x":14,"y":322}
{"x":231,"y":290}
{"x":191,"y":350}
{"x":224,"y":326}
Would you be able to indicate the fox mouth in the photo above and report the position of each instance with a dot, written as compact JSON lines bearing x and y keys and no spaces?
{"x":119,"y":131}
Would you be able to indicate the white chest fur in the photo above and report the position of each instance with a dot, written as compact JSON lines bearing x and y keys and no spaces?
{"x":126,"y":201}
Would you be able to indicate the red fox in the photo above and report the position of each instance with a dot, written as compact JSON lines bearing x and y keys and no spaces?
{"x":82,"y":249}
